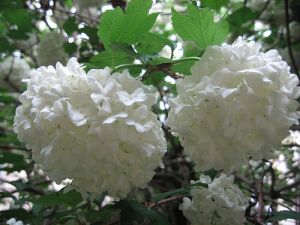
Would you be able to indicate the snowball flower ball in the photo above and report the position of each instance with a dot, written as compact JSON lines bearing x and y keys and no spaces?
{"x":96,"y":128}
{"x":15,"y":69}
{"x":238,"y":102}
{"x":85,"y":4}
{"x":51,"y":50}
{"x":221,"y":203}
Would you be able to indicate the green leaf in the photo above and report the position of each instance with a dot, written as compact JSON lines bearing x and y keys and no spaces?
{"x":19,"y":17}
{"x":68,"y":3}
{"x":150,"y":43}
{"x":241,"y":16}
{"x":17,"y":34}
{"x":5,"y":46}
{"x":111,"y":58}
{"x":70,"y":48}
{"x":154,"y":78}
{"x":159,"y":60}
{"x":70,"y":25}
{"x":115,"y":26}
{"x":198,"y":26}
{"x":190,"y":49}
{"x":10,"y":4}
{"x":91,"y":32}
{"x":16,"y":162}
{"x":103,"y":215}
{"x":18,"y":214}
{"x":71,"y":198}
{"x":134,"y":212}
{"x":8,"y":157}
{"x":183,"y":67}
{"x":2,"y":27}
{"x":284,"y":215}
{"x":214,"y":4}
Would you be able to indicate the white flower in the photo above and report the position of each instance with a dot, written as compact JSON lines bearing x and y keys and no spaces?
{"x":237,"y":102}
{"x":15,"y":69}
{"x":13,"y":221}
{"x":51,"y":50}
{"x":221,"y":203}
{"x":96,"y":129}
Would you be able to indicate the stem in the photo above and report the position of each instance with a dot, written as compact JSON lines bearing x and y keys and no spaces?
{"x":187,"y":59}
{"x":167,"y":200}
{"x":125,"y":66}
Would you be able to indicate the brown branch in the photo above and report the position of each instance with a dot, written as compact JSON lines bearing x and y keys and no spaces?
{"x":165,"y":201}
{"x":11,"y":147}
{"x":261,"y":205}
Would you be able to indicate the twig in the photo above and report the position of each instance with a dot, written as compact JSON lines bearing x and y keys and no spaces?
{"x":165,"y":201}
{"x":12,"y":147}
{"x":261,"y":205}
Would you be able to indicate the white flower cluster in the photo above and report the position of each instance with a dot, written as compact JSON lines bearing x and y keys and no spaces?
{"x":50,"y":50}
{"x":85,"y":4}
{"x":13,"y":221}
{"x":16,"y":69}
{"x":221,"y":203}
{"x":237,"y":102}
{"x":96,"y":129}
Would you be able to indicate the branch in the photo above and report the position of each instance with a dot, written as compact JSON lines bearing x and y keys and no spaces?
{"x":165,"y":201}
{"x":12,"y":147}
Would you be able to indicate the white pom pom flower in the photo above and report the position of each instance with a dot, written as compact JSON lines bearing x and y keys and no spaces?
{"x":85,"y":4}
{"x":237,"y":102}
{"x":96,"y":129}
{"x":51,"y":50}
{"x":14,"y":69}
{"x":221,"y":203}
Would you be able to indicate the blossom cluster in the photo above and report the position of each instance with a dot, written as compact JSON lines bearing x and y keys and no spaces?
{"x":96,"y":128}
{"x":238,"y":102}
{"x":14,"y":69}
{"x":221,"y":203}
{"x":51,"y":50}
{"x":85,"y":4}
